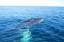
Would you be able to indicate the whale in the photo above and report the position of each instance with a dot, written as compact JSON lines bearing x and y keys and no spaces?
{"x":29,"y":22}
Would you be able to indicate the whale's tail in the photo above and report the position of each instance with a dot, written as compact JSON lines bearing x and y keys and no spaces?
{"x":29,"y":22}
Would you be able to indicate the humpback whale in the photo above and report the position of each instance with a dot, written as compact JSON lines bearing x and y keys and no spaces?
{"x":29,"y":22}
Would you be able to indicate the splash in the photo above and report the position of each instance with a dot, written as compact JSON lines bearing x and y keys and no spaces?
{"x":26,"y":35}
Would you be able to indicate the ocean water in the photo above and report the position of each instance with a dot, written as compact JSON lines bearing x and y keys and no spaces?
{"x":51,"y":29}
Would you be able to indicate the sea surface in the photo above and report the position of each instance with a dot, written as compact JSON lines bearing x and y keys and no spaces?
{"x":51,"y":29}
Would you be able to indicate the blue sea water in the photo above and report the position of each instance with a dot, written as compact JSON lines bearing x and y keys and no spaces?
{"x":51,"y":29}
